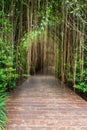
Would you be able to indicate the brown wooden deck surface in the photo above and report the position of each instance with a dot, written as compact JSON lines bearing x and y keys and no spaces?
{"x":40,"y":103}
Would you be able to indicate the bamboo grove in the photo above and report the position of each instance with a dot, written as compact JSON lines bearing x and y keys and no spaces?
{"x":47,"y":36}
{"x":54,"y":39}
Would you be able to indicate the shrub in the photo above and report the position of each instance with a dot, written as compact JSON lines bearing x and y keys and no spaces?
{"x":7,"y":69}
{"x":3,"y":118}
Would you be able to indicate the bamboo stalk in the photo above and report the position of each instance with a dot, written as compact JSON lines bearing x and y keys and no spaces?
{"x":62,"y":46}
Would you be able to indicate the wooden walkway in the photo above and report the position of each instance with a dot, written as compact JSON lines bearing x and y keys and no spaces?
{"x":40,"y":103}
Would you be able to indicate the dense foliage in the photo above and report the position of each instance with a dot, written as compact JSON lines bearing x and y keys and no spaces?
{"x":7,"y":69}
{"x":36,"y":34}
{"x":82,"y":83}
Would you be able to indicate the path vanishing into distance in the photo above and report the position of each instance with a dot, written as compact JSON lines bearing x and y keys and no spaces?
{"x":41,"y":103}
